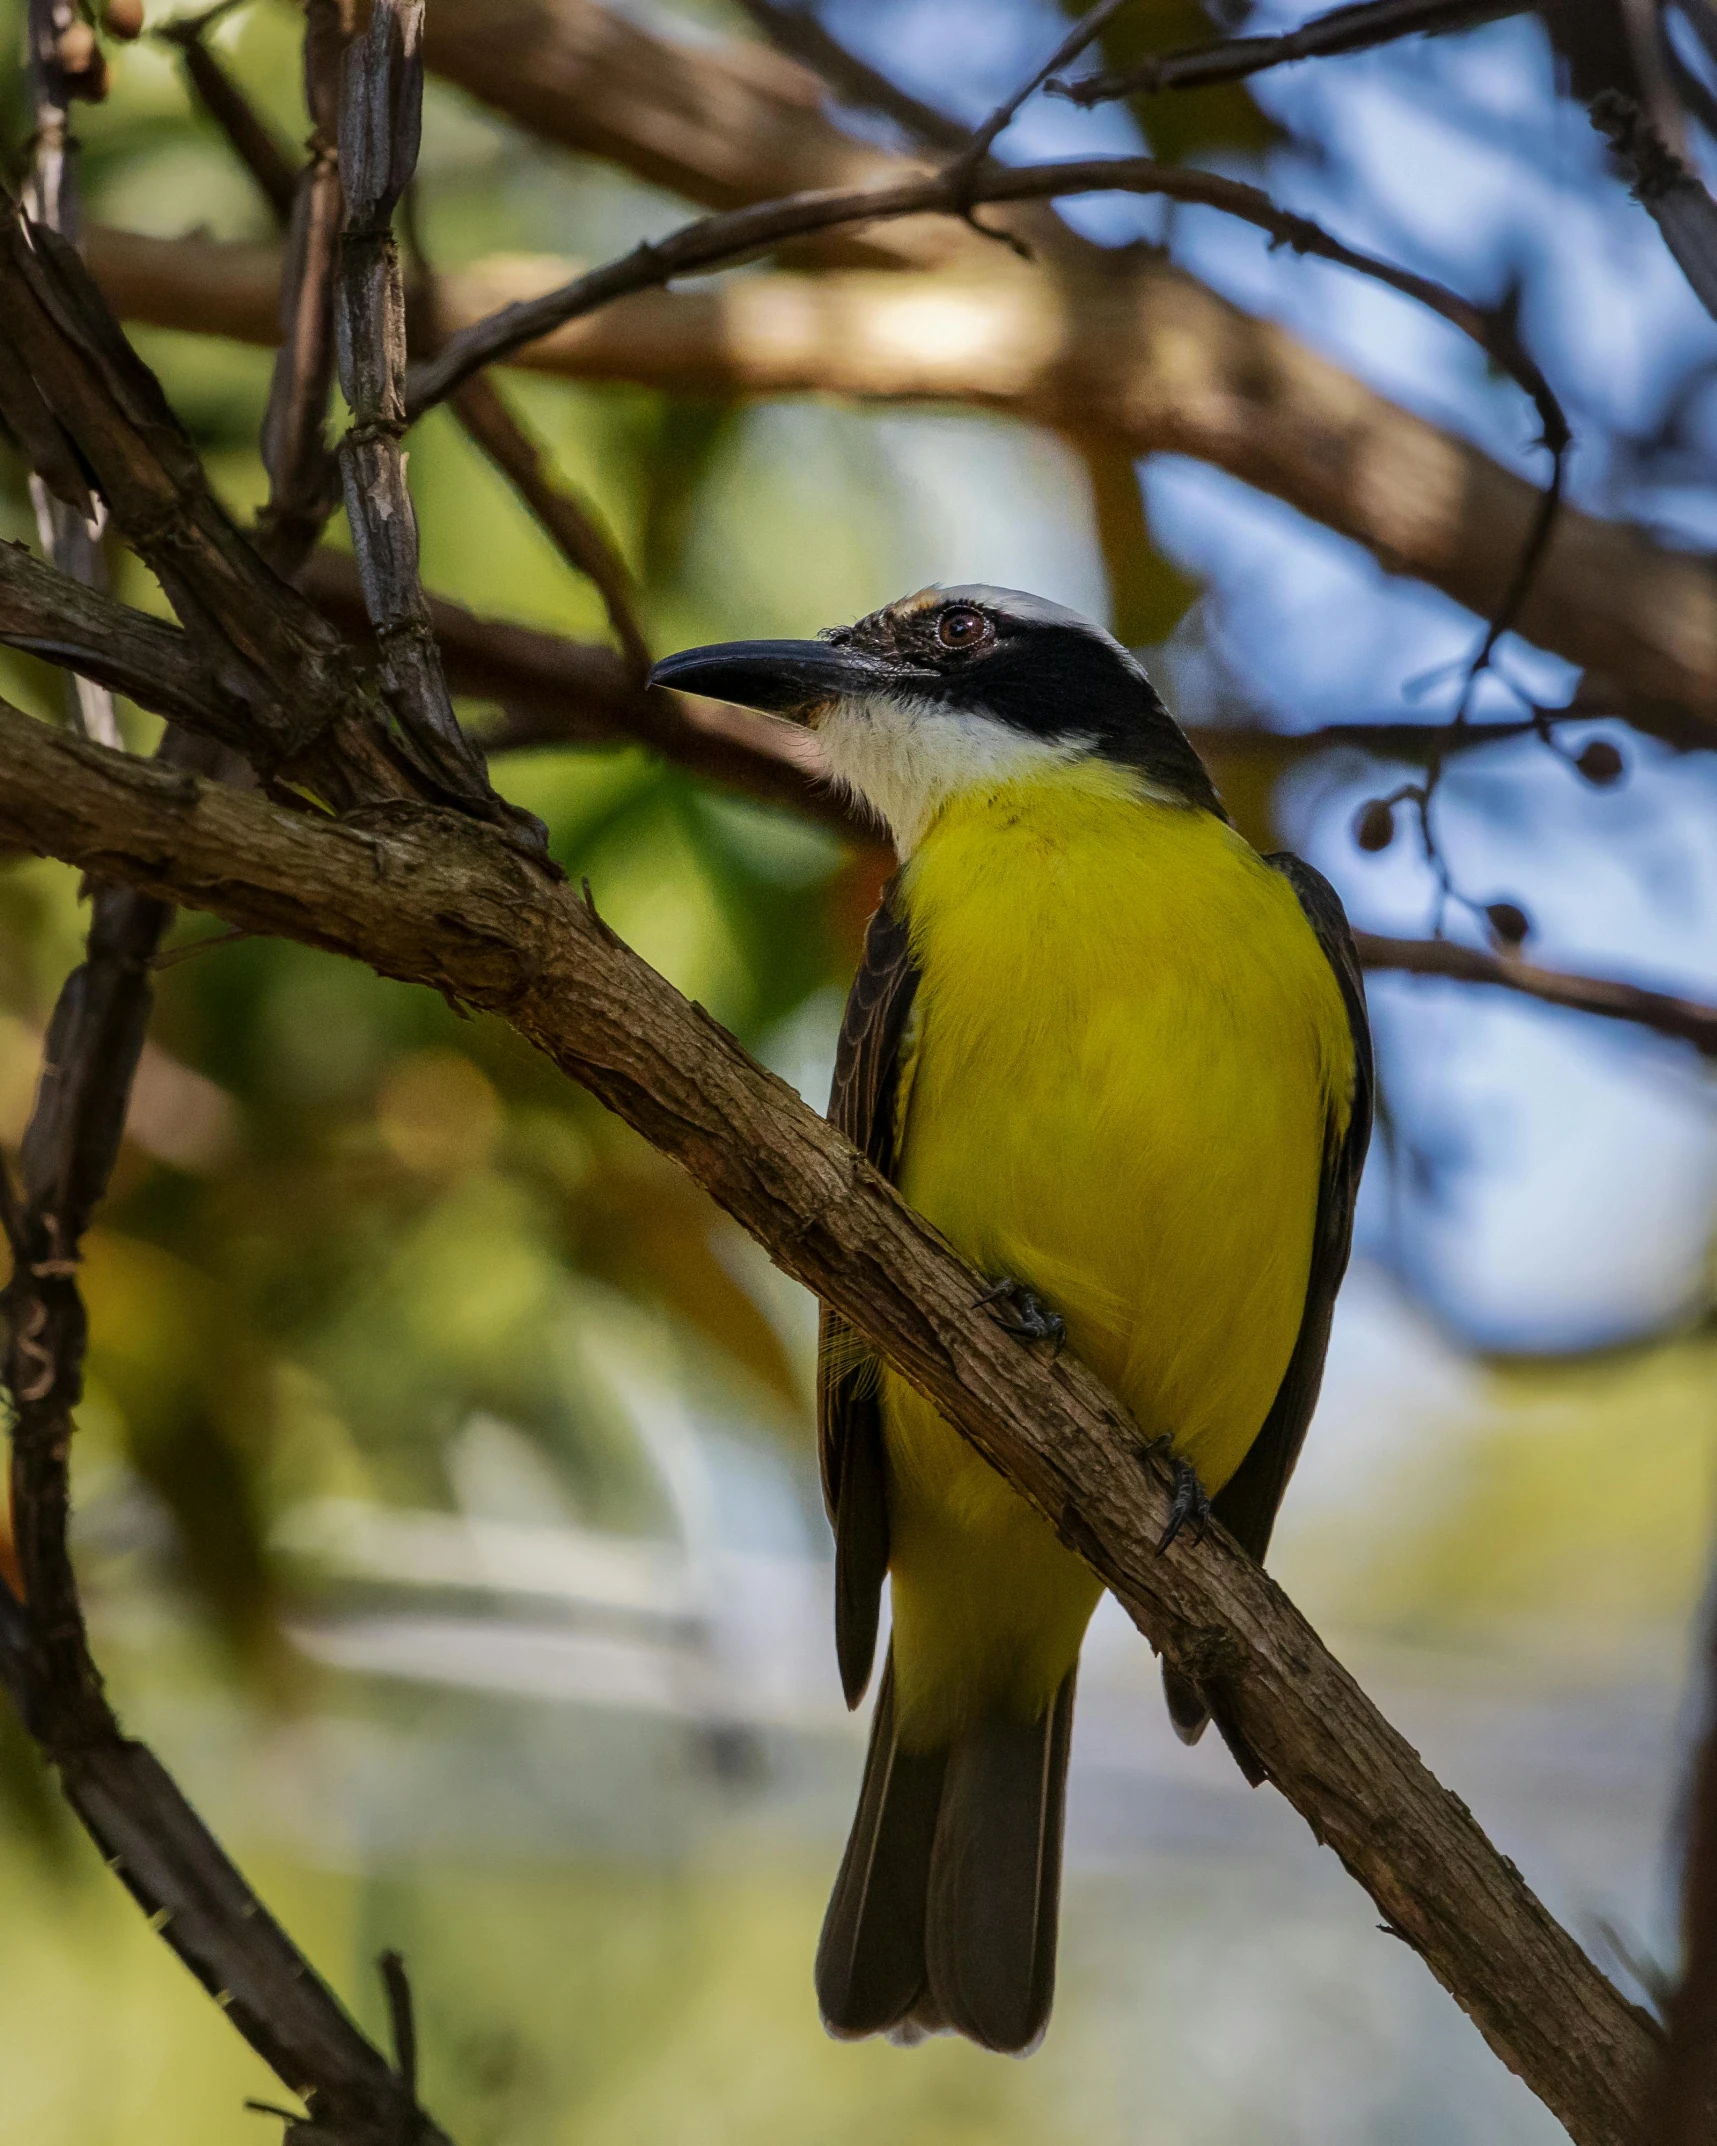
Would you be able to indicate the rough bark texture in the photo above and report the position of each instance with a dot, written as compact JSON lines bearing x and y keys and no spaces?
{"x":1144,"y":356}
{"x":440,"y":900}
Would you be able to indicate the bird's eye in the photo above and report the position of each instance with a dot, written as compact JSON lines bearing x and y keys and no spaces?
{"x":961,"y":628}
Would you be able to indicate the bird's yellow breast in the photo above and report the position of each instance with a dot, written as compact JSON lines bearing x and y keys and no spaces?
{"x":1129,"y":1047}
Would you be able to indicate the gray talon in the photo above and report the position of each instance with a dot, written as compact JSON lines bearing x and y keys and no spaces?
{"x":1189,"y":1501}
{"x":1024,"y":1313}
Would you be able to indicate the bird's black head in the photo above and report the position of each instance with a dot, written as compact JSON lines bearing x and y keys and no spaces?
{"x":953,"y":688}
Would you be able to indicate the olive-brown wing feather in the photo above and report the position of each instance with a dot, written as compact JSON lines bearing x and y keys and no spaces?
{"x":869,"y":1062}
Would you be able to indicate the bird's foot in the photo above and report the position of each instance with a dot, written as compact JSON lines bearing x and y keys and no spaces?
{"x":1189,"y":1500}
{"x":1020,"y":1311}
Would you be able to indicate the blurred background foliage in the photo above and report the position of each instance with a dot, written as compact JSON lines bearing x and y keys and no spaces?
{"x":364,"y":1256}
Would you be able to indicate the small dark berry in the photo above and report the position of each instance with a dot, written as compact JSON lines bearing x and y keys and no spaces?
{"x":1510,"y":925}
{"x":1374,"y":825}
{"x":1601,"y":764}
{"x":123,"y":19}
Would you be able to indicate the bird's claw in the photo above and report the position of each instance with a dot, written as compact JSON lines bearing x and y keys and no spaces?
{"x":1024,"y":1313}
{"x":1189,"y":1500}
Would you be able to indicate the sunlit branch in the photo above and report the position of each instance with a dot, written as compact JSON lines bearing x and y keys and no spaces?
{"x":1138,"y":353}
{"x":717,"y":241}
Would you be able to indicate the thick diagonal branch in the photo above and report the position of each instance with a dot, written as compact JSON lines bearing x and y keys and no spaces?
{"x":438,"y":900}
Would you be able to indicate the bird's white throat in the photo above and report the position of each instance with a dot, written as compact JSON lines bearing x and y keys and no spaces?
{"x":907,"y":758}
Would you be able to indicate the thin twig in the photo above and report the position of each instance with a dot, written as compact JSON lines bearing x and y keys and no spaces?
{"x":717,"y":241}
{"x":402,"y":2018}
{"x":69,"y":536}
{"x":571,"y":523}
{"x":381,"y":106}
{"x":798,"y":32}
{"x":982,"y":138}
{"x":1682,"y":2109}
{"x":1660,"y":1011}
{"x":1232,"y":59}
{"x":264,"y":155}
{"x":303,"y":479}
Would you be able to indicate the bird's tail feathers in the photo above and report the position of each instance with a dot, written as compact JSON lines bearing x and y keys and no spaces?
{"x":944,"y":1913}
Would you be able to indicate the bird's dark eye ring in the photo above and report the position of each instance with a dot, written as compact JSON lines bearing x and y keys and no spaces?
{"x":960,"y":627}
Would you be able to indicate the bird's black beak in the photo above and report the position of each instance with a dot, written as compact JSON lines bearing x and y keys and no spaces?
{"x":788,"y":678}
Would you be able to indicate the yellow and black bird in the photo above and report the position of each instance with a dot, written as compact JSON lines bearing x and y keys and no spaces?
{"x":1121,"y":1061}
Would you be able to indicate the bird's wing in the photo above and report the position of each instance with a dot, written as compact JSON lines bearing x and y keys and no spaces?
{"x":870,"y":1062}
{"x":1247,"y":1503}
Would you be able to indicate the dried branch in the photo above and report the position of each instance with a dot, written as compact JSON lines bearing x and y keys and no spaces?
{"x":303,"y":481}
{"x":1140,"y":354}
{"x":69,"y":532}
{"x":1682,"y":2107}
{"x":381,"y":109}
{"x":272,"y":166}
{"x":1660,"y":1011}
{"x":439,"y":899}
{"x":1666,"y":188}
{"x":1084,"y":32}
{"x":309,"y":716}
{"x":797,"y":32}
{"x":1232,"y":59}
{"x":717,"y":241}
{"x":132,"y":1809}
{"x":47,"y":614}
{"x":559,"y":692}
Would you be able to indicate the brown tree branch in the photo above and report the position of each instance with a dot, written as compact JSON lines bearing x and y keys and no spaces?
{"x":263,"y":155}
{"x":554,"y":691}
{"x":47,"y":614}
{"x":308,"y":715}
{"x":797,"y":32}
{"x":1660,"y":1011}
{"x":380,"y":118}
{"x":303,"y":480}
{"x":437,"y":899}
{"x":717,"y":241}
{"x":147,"y":1832}
{"x":1682,"y":2106}
{"x":559,"y":692}
{"x":1141,"y":354}
{"x":66,"y":525}
{"x":1231,"y":59}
